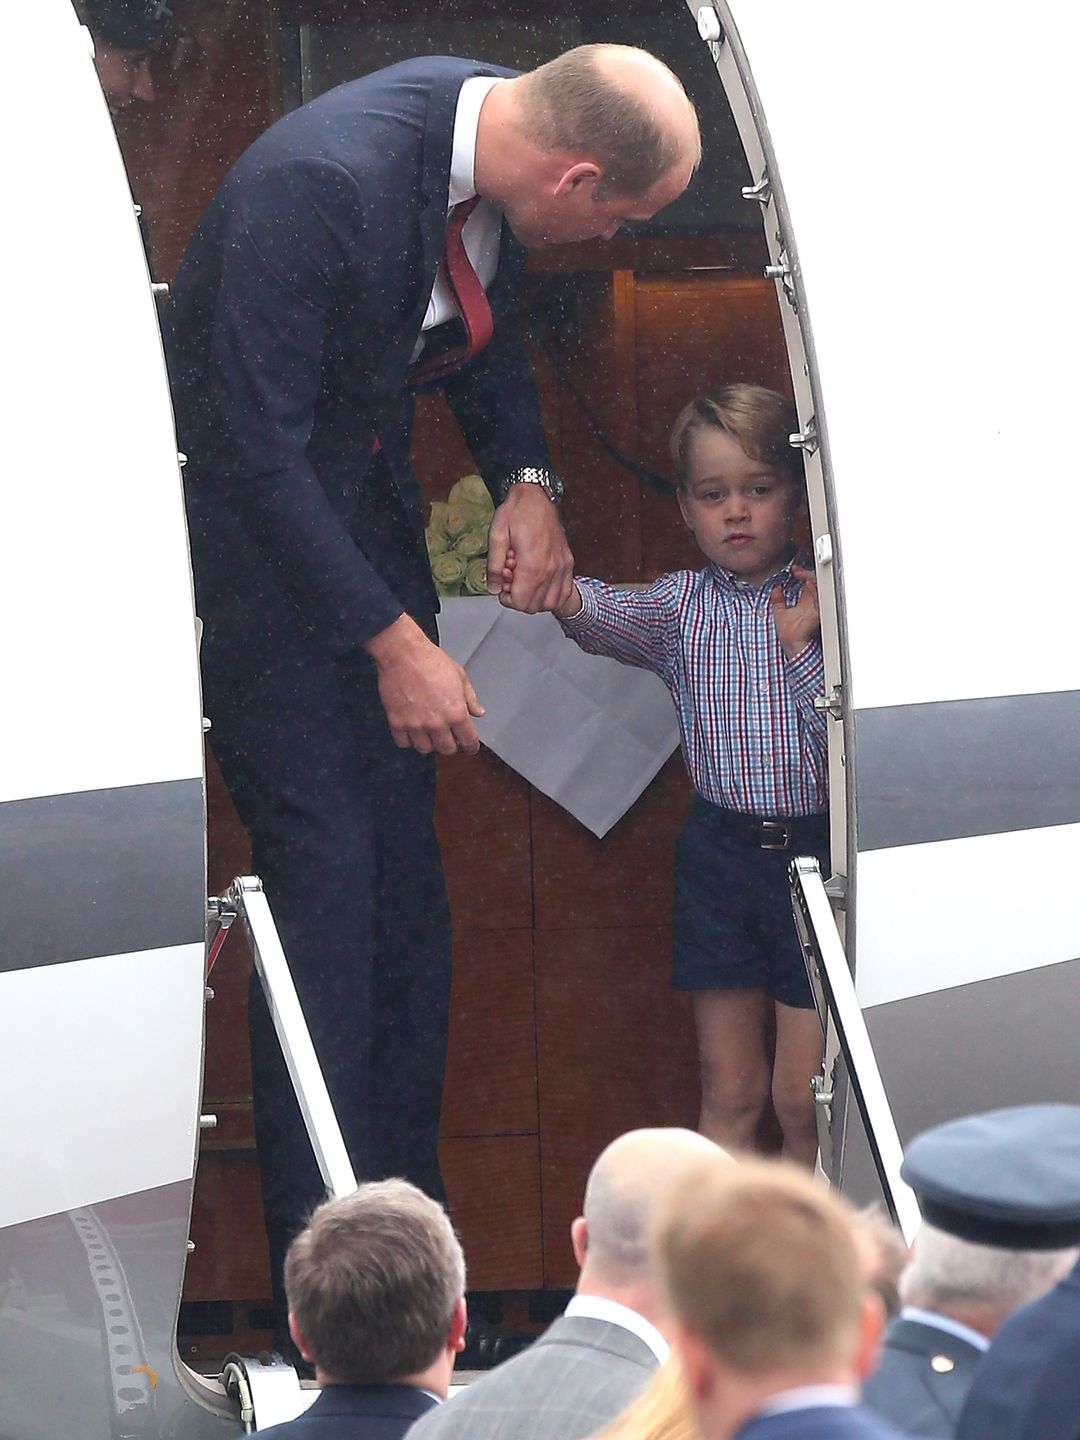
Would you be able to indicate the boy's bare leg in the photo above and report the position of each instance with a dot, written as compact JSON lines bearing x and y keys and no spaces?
{"x":734,"y":1064}
{"x":799,"y":1050}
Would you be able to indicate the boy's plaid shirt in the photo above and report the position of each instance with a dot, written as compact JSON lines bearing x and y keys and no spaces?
{"x":751,"y":737}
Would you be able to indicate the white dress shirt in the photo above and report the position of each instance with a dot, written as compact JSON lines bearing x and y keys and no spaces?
{"x":595,"y":1307}
{"x":484,"y":225}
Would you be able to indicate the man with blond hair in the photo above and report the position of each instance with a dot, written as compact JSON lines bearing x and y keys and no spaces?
{"x":604,"y":1348}
{"x":775,"y":1325}
{"x":376,"y":1285}
{"x":368,"y":246}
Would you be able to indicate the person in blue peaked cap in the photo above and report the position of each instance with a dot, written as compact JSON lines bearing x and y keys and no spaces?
{"x":1000,"y":1199}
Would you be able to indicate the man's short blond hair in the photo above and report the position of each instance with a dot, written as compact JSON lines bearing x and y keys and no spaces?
{"x":759,"y":1261}
{"x":372,"y":1282}
{"x":576,"y":104}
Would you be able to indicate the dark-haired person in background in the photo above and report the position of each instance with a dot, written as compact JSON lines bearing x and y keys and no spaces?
{"x":376,"y":1285}
{"x":370,"y":242}
{"x":125,"y":33}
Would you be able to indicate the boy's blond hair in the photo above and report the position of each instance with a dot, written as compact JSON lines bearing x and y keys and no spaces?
{"x":759,"y":1261}
{"x":760,"y":420}
{"x":373,"y":1281}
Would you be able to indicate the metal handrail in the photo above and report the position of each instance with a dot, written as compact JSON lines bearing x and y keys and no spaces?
{"x":834,"y":990}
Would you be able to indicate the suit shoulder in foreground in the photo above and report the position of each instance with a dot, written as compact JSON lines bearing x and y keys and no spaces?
{"x":1028,"y":1386}
{"x":823,"y":1422}
{"x":357,"y":1412}
{"x":579,"y":1375}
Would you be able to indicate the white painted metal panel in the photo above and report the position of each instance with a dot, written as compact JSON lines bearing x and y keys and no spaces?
{"x":103,"y":1086}
{"x":921,"y":155}
{"x":955,"y":912}
{"x":99,"y":650}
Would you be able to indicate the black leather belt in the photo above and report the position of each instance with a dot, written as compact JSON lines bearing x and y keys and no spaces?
{"x":772,"y":832}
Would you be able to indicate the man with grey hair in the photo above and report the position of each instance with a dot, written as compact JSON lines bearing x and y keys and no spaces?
{"x":376,"y":1285}
{"x":992,"y":1241}
{"x":601,"y":1352}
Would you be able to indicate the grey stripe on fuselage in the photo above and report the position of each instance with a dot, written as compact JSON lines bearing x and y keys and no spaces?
{"x":102,"y":872}
{"x":967,"y":767}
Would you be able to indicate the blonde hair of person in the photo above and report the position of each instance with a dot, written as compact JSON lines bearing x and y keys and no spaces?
{"x":758,"y":419}
{"x":759,"y":1261}
{"x":661,"y":1412}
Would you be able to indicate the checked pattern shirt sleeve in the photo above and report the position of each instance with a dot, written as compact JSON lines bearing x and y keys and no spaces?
{"x":636,"y":627}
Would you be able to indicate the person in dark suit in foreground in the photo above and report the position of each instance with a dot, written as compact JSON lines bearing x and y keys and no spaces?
{"x":376,"y":1286}
{"x":370,"y":244}
{"x":995,"y":1244}
{"x":1028,"y":1385}
{"x":605,"y":1347}
{"x":774,"y":1322}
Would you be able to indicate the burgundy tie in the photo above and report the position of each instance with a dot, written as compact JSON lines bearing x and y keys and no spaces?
{"x":459,"y":277}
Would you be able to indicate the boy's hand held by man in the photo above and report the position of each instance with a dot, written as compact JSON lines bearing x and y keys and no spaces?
{"x":528,"y":524}
{"x":796,"y":625}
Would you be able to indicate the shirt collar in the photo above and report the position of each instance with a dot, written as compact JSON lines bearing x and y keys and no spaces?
{"x":596,"y":1307}
{"x":783,"y":576}
{"x":471,"y":97}
{"x":945,"y":1323}
{"x":808,"y":1397}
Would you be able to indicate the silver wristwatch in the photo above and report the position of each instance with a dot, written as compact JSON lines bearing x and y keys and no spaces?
{"x":548,"y":481}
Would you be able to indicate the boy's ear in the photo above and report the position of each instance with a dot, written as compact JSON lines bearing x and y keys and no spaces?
{"x":681,"y":494}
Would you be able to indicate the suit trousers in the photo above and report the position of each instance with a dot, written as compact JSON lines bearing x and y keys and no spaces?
{"x":343,"y":838}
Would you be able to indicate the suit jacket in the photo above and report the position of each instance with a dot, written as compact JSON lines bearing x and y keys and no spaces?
{"x":821,"y":1422}
{"x":912,"y":1393}
{"x":357,"y":1412}
{"x":289,"y":334}
{"x":1028,"y":1386}
{"x":579,"y":1375}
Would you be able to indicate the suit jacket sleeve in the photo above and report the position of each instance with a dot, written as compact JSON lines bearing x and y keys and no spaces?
{"x":493,"y":398}
{"x":294,"y":242}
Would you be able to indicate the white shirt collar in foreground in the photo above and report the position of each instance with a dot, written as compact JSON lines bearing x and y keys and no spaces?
{"x":471,"y":97}
{"x":808,"y":1397}
{"x":595,"y":1307}
{"x":943,"y":1322}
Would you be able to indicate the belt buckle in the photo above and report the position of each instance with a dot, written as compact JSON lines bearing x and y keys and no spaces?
{"x":781,"y":829}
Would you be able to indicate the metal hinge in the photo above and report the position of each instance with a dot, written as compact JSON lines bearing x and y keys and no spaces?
{"x":806,"y":438}
{"x":782,"y":271}
{"x":761,"y":192}
{"x":832,"y":703}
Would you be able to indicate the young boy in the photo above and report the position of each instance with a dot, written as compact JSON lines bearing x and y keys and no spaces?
{"x":737,"y":645}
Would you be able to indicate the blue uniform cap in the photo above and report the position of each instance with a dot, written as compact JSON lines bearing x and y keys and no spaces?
{"x":1009,"y":1178}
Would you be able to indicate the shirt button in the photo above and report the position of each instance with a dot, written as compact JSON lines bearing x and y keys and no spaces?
{"x":766,"y":761}
{"x":763,"y":686}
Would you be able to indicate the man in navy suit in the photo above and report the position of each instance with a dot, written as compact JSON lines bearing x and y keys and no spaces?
{"x":376,"y":1285}
{"x":775,"y":1322}
{"x":996,"y":1190}
{"x":318,"y":290}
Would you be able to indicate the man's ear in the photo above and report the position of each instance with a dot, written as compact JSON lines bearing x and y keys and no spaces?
{"x":871,"y":1329}
{"x":579,"y":1239}
{"x":459,"y":1320}
{"x":585,"y":172}
{"x":299,"y":1341}
{"x":695,"y":1363}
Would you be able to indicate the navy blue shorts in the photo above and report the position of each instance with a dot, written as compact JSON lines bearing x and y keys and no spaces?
{"x":733,"y":926}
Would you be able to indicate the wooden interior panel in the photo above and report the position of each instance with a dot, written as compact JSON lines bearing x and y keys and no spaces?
{"x":491,"y":1066}
{"x":482,"y":821}
{"x":493,"y":1188}
{"x":624,"y":879}
{"x":615,"y":1049}
{"x":230,"y":1259}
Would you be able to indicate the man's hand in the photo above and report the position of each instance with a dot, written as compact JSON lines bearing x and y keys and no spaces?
{"x":426,"y":695}
{"x":796,"y":625}
{"x":528,"y":523}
